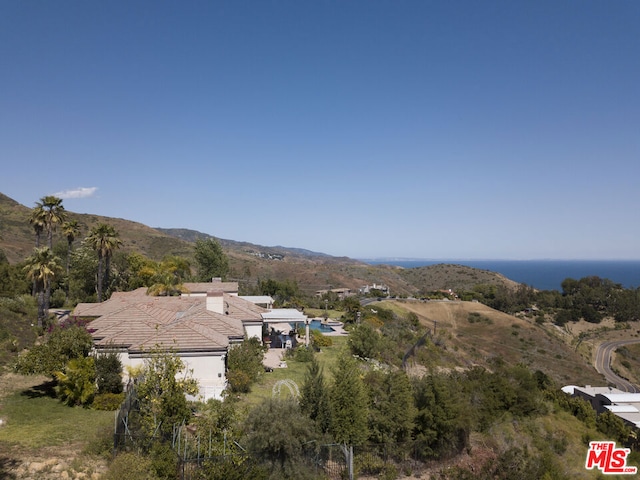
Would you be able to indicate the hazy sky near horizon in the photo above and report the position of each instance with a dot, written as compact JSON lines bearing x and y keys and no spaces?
{"x":424,"y":129}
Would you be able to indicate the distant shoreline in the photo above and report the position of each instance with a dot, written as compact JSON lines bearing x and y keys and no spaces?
{"x":540,"y":274}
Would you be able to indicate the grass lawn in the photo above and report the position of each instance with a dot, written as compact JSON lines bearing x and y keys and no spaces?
{"x":33,"y":418}
{"x":295,"y":371}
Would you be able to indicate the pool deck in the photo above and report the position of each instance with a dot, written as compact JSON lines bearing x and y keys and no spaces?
{"x":273,"y":358}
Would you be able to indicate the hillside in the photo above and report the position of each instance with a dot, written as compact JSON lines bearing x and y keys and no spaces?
{"x":249,"y":262}
{"x":470,"y":333}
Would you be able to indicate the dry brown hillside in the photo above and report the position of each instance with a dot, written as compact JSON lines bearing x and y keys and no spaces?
{"x":470,"y":333}
{"x":249,"y":263}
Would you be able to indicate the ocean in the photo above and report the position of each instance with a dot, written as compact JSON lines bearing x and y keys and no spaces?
{"x":543,"y":274}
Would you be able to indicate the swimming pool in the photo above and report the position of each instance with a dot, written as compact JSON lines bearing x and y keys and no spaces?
{"x":315,"y":325}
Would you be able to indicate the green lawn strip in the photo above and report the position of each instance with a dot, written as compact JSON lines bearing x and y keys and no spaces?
{"x":38,"y":421}
{"x":295,"y":371}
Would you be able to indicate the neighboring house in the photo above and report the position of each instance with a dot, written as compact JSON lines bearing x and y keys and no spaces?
{"x":342,"y":293}
{"x":265,"y":301}
{"x":198,"y":327}
{"x":368,"y":288}
{"x":622,"y":404}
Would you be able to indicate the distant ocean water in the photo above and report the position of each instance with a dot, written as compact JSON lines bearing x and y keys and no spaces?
{"x":543,"y":274}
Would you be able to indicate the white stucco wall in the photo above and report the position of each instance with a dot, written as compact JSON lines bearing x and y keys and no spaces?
{"x":208,"y":370}
{"x":254,"y":331}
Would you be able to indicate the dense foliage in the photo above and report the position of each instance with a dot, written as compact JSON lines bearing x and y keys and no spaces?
{"x":62,"y":344}
{"x":161,"y":389}
{"x":244,"y":364}
{"x":591,"y":299}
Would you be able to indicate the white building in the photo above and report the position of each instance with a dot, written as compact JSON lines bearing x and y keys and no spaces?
{"x":198,"y":327}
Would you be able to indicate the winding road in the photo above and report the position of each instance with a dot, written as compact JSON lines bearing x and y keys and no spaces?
{"x":603,"y":365}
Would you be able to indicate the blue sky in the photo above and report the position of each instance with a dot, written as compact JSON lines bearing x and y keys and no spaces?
{"x":420,"y":129}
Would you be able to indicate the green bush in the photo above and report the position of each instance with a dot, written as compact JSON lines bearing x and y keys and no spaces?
{"x":320,"y":340}
{"x":76,"y":384}
{"x":300,"y":354}
{"x":108,"y":401}
{"x":130,"y":466}
{"x":244,"y":363}
{"x":52,"y":356}
{"x":368,"y":464}
{"x":164,"y":461}
{"x":109,"y":372}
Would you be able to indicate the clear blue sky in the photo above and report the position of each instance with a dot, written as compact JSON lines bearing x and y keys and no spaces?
{"x":425,"y":129}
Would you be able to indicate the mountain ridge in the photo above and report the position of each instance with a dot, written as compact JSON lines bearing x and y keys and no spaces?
{"x":250,"y":263}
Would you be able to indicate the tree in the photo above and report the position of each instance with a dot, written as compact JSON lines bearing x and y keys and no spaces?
{"x":108,"y":372}
{"x":352,"y":308}
{"x":364,"y":341}
{"x":349,"y":400}
{"x":314,"y":397}
{"x":211,"y":260}
{"x":37,"y":221}
{"x":277,"y":433}
{"x":441,"y":425}
{"x":613,"y":427}
{"x":41,"y":267}
{"x":62,"y":345}
{"x":71,"y":229}
{"x":82,"y":275}
{"x":104,"y":240}
{"x":283,"y":293}
{"x":391,"y":408}
{"x":244,"y":364}
{"x":166,"y":277}
{"x":54,"y":214}
{"x":162,"y":389}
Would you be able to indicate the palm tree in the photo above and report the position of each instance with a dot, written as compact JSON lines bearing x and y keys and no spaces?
{"x":37,"y":222}
{"x":54,"y":214}
{"x":71,"y":229}
{"x":104,"y":240}
{"x":41,"y":267}
{"x":166,"y":278}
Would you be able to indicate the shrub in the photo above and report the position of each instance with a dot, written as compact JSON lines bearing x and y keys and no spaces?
{"x":108,"y":401}
{"x":76,"y":385}
{"x":364,"y":341}
{"x":368,"y":464}
{"x":52,"y":356}
{"x":164,"y":461}
{"x":320,"y":340}
{"x":130,"y":466}
{"x":109,"y":373}
{"x":300,"y":354}
{"x":244,"y":362}
{"x":239,"y":381}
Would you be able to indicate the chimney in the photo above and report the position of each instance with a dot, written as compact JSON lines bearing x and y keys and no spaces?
{"x":215,"y":302}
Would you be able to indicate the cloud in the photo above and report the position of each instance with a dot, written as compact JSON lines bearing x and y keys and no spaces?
{"x":80,"y":192}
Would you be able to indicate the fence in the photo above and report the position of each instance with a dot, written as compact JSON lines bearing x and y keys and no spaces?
{"x":197,"y":450}
{"x":121,"y":427}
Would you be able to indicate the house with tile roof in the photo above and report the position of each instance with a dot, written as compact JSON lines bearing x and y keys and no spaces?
{"x":198,"y":326}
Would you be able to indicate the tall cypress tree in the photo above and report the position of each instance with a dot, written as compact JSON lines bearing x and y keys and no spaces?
{"x":314,"y":397}
{"x":349,"y":401}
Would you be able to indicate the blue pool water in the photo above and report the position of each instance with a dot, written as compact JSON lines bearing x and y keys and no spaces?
{"x":317,"y":325}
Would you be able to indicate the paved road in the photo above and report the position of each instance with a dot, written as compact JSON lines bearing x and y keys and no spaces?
{"x":603,"y":365}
